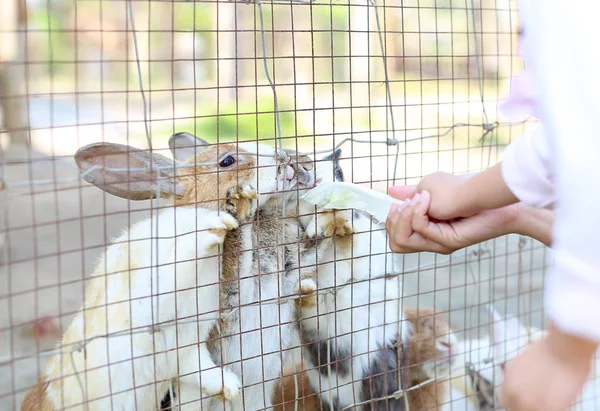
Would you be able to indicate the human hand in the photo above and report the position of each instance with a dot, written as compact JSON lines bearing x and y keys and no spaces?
{"x":447,"y":199}
{"x":466,"y":195}
{"x":410,"y":229}
{"x":548,"y":375}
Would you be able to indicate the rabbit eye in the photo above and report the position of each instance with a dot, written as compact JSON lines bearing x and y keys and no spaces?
{"x":227,"y":162}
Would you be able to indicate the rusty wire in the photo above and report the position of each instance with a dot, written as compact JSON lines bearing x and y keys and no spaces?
{"x":487,"y":129}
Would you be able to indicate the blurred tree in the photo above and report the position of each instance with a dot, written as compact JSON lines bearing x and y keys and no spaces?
{"x":13,"y":20}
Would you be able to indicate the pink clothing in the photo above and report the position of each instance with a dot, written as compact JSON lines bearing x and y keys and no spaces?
{"x":557,"y":164}
{"x":521,"y":102}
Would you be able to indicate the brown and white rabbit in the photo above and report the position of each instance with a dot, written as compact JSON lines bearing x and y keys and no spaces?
{"x":356,"y":312}
{"x":260,"y":265}
{"x":219,"y":177}
{"x":507,"y":339}
{"x":431,"y":354}
{"x":428,"y":353}
{"x":131,"y":371}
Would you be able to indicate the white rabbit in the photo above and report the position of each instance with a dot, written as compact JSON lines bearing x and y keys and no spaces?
{"x":507,"y":339}
{"x":356,"y":313}
{"x":131,"y":371}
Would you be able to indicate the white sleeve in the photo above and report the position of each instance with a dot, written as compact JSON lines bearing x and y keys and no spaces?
{"x":565,"y":40}
{"x":526,"y":168}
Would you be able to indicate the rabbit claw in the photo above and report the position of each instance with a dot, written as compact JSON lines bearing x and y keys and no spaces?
{"x":307,"y":291}
{"x":226,"y":223}
{"x":241,"y":201}
{"x":226,"y":384}
{"x":329,"y":224}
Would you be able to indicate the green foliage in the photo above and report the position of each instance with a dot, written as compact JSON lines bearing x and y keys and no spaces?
{"x":333,"y":43}
{"x":247,"y":123}
{"x":192,"y":16}
{"x":55,"y":45}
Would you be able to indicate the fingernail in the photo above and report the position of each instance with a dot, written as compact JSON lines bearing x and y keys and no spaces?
{"x":393,"y":208}
{"x":401,"y":207}
{"x":415,"y":199}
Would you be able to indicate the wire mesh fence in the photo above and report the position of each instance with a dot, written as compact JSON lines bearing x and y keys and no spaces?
{"x":176,"y":262}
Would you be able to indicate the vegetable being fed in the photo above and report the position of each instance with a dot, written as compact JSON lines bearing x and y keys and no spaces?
{"x":343,"y":195}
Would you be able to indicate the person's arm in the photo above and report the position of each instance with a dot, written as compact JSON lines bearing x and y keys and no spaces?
{"x":485,"y":191}
{"x":523,"y":175}
{"x":455,"y":196}
{"x":411,"y":230}
{"x":536,"y":223}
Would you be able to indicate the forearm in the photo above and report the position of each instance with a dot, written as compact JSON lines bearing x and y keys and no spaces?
{"x":484,"y":191}
{"x":535,"y":223}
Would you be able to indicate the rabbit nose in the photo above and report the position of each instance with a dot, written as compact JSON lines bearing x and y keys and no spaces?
{"x":289,"y":172}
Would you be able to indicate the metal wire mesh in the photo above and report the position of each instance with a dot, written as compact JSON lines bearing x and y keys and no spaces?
{"x":403,"y":89}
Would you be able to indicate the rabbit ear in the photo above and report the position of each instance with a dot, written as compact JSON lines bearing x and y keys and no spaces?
{"x":337,"y":170}
{"x":128,"y":172}
{"x":334,"y":156}
{"x":185,"y":146}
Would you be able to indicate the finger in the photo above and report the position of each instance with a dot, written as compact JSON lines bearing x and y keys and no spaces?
{"x":391,"y":225}
{"x":421,"y":222}
{"x":396,"y":233}
{"x":402,"y":192}
{"x":393,"y":208}
{"x":390,"y":222}
{"x":404,"y":225}
{"x":433,"y":232}
{"x":401,"y":236}
{"x":411,"y":240}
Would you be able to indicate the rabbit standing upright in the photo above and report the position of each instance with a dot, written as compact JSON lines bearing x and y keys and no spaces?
{"x":162,"y":269}
{"x":350,"y":327}
{"x":257,"y":265}
{"x":218,"y":177}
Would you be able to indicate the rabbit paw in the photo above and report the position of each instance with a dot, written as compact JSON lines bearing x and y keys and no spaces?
{"x":226,"y":222}
{"x":226,"y":384}
{"x":241,"y":201}
{"x":329,"y":224}
{"x":307,"y":289}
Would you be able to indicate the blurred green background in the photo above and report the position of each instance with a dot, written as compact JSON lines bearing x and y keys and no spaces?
{"x":202,"y":70}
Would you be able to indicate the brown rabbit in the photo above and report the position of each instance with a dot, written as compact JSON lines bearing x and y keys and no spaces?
{"x":430,"y":355}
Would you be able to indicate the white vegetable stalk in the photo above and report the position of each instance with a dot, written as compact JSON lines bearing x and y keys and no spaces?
{"x":342,"y":195}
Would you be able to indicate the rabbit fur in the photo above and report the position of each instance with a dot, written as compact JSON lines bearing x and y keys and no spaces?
{"x":119,"y":299}
{"x":216,"y":178}
{"x":260,"y":262}
{"x":344,"y":308}
{"x":508,"y":337}
{"x":428,"y":352}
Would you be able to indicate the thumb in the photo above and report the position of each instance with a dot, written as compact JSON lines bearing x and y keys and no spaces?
{"x":402,"y":192}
